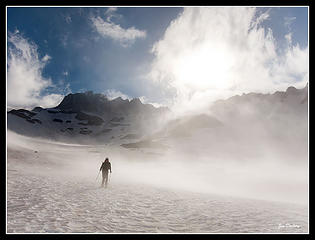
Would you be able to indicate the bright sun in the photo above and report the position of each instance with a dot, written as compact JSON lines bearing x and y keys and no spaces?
{"x":204,"y":69}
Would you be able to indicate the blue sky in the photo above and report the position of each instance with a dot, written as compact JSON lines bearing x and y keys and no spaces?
{"x":138,"y":52}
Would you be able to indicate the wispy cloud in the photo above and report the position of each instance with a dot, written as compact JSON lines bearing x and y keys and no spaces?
{"x":211,"y":53}
{"x":110,"y":10}
{"x":108,"y":29}
{"x":27,"y":87}
{"x":288,"y":21}
{"x":112,"y":13}
{"x":112,"y":94}
{"x":68,"y":19}
{"x":145,"y":100}
{"x":260,"y":19}
{"x":64,"y":39}
{"x":65,"y":73}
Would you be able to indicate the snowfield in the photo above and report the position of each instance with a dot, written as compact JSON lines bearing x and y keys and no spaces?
{"x":52,"y":188}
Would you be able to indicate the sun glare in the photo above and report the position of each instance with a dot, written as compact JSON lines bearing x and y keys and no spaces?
{"x":204,"y":69}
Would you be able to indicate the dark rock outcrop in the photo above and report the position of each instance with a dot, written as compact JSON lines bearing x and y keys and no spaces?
{"x":58,"y":120}
{"x":119,"y":124}
{"x":85,"y":132}
{"x":117,"y":119}
{"x":37,"y":120}
{"x":27,"y":115}
{"x":92,"y":120}
{"x":22,"y":113}
{"x":37,"y":109}
{"x":53,"y":111}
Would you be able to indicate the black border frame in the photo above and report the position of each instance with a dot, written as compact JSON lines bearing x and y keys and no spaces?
{"x":179,"y":3}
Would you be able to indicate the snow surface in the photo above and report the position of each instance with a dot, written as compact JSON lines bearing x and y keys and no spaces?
{"x":52,"y":188}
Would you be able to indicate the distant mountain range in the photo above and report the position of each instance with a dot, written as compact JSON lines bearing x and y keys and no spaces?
{"x":88,"y":117}
{"x":249,"y":126}
{"x":254,"y":121}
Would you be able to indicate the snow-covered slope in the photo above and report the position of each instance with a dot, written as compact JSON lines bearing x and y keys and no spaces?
{"x":52,"y":188}
{"x":240,"y":167}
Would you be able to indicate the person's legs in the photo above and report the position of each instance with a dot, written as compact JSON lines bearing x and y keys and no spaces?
{"x":106,"y":178}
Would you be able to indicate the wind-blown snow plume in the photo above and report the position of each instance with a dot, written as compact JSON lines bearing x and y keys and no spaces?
{"x":211,"y":53}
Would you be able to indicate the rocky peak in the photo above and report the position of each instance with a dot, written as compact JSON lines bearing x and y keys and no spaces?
{"x":87,"y":101}
{"x":99,"y":103}
{"x":136,"y":101}
{"x":292,"y":90}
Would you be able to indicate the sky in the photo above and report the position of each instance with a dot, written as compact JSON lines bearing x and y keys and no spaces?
{"x":183,"y":58}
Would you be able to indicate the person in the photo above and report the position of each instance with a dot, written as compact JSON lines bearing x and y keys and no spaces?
{"x":106,"y":165}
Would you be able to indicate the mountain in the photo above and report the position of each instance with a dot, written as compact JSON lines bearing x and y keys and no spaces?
{"x":267,"y":124}
{"x":290,"y":103}
{"x":101,"y":105}
{"x":248,"y":126}
{"x":87,"y":117}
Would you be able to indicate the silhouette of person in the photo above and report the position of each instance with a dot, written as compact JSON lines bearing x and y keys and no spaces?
{"x":106,"y":165}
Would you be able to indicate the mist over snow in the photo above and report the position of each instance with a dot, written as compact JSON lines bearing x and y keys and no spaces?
{"x":58,"y":185}
{"x":261,"y":152}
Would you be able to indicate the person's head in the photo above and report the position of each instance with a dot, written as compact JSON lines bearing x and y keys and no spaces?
{"x":106,"y":160}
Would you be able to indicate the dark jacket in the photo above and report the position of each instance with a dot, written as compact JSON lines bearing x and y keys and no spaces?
{"x":106,"y":166}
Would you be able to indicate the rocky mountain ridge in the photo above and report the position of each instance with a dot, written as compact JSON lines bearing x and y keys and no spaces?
{"x":248,"y":126}
{"x":87,"y":116}
{"x":281,"y":116}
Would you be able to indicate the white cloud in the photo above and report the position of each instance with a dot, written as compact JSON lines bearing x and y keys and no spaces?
{"x":112,"y":94}
{"x":111,"y":13}
{"x":46,"y":58}
{"x":288,"y":21}
{"x":145,"y":100}
{"x":261,"y":18}
{"x":110,"y":10}
{"x":109,"y":29}
{"x":210,"y":53}
{"x":25,"y":82}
